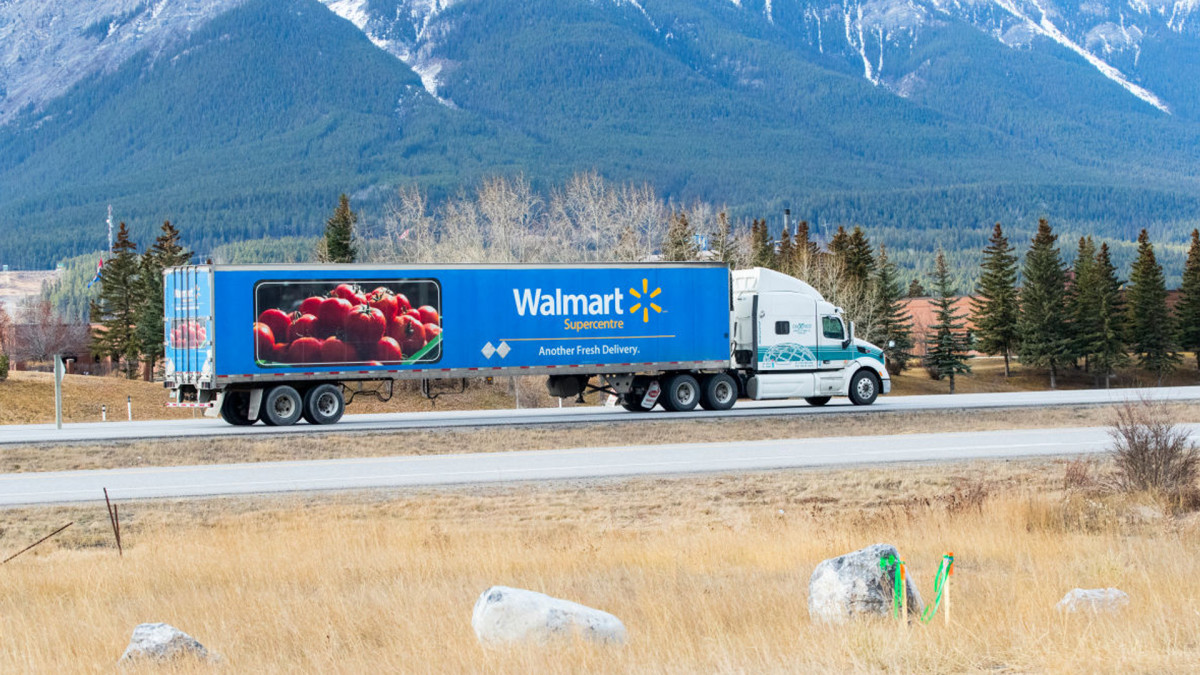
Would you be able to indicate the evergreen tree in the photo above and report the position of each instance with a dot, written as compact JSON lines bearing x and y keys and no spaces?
{"x":858,"y":262}
{"x":1082,"y":300}
{"x":1150,"y":331}
{"x":947,"y":350}
{"x":1045,"y":338}
{"x":763,"y":248}
{"x":1187,"y":312}
{"x":1107,"y":343}
{"x":722,"y":240}
{"x":994,"y":309}
{"x":116,"y":307}
{"x":166,"y":252}
{"x":786,"y":255}
{"x":338,"y":245}
{"x":804,"y":249}
{"x":839,"y":245}
{"x":680,"y":243}
{"x":895,"y":322}
{"x":915,"y":289}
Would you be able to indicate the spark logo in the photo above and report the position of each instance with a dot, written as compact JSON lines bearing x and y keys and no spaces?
{"x":645,"y":310}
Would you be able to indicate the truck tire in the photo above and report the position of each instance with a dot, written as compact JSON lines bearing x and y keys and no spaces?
{"x":718,"y":392}
{"x":817,"y":401}
{"x":680,"y":393}
{"x":281,"y":406}
{"x":633,"y":402}
{"x":323,"y":404}
{"x":235,"y":408}
{"x":864,"y":388}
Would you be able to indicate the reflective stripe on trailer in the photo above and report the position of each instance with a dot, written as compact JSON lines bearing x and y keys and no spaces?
{"x":189,"y":405}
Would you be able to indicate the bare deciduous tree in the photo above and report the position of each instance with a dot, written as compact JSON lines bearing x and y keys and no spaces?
{"x":39,"y":332}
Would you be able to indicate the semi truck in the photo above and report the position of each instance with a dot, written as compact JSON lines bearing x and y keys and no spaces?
{"x":281,"y":343}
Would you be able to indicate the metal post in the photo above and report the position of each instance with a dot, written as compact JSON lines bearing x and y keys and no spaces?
{"x":103,"y":413}
{"x":58,"y":378}
{"x":129,"y":407}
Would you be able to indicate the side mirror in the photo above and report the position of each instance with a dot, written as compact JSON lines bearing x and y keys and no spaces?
{"x":849,"y":337}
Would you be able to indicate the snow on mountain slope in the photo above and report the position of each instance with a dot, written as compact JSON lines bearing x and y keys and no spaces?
{"x":48,"y":45}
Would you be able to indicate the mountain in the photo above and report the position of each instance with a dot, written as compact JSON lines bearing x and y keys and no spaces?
{"x":924,"y":119}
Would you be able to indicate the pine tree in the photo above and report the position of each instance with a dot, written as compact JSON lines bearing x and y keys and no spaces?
{"x":915,"y":289}
{"x":115,"y":309}
{"x":839,"y":245}
{"x":895,"y":322}
{"x":858,"y":261}
{"x":947,"y":349}
{"x":1150,"y":331}
{"x":166,"y":252}
{"x":1187,"y":312}
{"x":995,"y":309}
{"x":1045,"y":338}
{"x":1082,"y":300}
{"x":680,"y":243}
{"x":722,"y":240}
{"x":763,"y":248}
{"x":786,"y":255}
{"x":338,"y":244}
{"x":1107,"y":345}
{"x":805,"y":251}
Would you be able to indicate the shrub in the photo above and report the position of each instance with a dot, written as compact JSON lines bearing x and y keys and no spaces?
{"x":1151,"y":452}
{"x":3,"y":367}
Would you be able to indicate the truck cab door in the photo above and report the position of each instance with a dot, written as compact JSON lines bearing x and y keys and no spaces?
{"x":832,"y":353}
{"x":786,"y":335}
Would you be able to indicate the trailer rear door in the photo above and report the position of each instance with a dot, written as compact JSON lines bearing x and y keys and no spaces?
{"x":188,"y":325}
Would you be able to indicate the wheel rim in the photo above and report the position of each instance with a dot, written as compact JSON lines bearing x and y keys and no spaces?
{"x":327,"y":404}
{"x":685,"y":393}
{"x":866,"y":388}
{"x":723,"y":392}
{"x":285,"y":407}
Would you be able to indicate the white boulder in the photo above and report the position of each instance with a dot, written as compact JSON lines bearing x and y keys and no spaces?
{"x":1093,"y":600}
{"x":854,"y":584}
{"x":504,"y":614}
{"x":160,"y":642}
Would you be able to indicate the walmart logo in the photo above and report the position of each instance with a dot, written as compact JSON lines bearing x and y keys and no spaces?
{"x":645,"y":296}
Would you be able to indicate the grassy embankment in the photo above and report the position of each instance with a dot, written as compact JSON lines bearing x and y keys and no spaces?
{"x":709,"y":574}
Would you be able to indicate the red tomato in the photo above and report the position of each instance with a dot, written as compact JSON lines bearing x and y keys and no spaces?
{"x":403,"y":303}
{"x":429,"y":315}
{"x":388,"y":350}
{"x":334,"y":350}
{"x":310,"y":305}
{"x":264,"y":342}
{"x":305,"y":350}
{"x":280,"y":353}
{"x":365,"y":326}
{"x":331,"y":316}
{"x":305,"y":326}
{"x":431,"y":330}
{"x":385,"y":301}
{"x":415,"y":315}
{"x":277,"y":320}
{"x":408,"y":332}
{"x":351,"y":293}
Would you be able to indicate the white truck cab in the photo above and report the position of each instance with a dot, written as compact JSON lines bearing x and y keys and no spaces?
{"x":790,"y":343}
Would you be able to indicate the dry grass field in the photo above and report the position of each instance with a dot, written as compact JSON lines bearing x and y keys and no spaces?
{"x":166,"y":452}
{"x":708,"y":573}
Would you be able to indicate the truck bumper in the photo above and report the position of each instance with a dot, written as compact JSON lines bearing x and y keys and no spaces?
{"x":887,"y":386}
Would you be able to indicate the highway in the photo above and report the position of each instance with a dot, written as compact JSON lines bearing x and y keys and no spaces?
{"x":208,"y":427}
{"x":545,"y":465}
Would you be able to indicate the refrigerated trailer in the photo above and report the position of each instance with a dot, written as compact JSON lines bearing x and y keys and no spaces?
{"x":280,"y":343}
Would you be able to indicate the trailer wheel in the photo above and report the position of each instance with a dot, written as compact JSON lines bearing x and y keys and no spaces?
{"x":235,"y":408}
{"x":718,"y":392}
{"x":817,"y":401}
{"x":323,"y":404}
{"x":864,"y":388}
{"x":633,"y":402}
{"x":282,"y":406}
{"x":681,"y":393}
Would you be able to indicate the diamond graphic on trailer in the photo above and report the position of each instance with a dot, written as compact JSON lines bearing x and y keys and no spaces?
{"x":645,"y":295}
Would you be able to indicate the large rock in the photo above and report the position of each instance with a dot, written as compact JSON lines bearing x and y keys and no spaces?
{"x":1093,"y":600}
{"x":505,"y":614}
{"x":160,"y":642}
{"x":854,"y":585}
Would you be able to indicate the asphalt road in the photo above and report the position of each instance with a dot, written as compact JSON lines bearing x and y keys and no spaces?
{"x":207,"y":427}
{"x":545,"y":465}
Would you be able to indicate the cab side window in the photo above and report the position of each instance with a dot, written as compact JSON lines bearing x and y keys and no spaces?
{"x":831,"y":327}
{"x":782,"y":328}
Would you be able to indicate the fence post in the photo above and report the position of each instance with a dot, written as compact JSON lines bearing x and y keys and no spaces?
{"x":58,"y":378}
{"x":103,"y":413}
{"x":129,"y":407}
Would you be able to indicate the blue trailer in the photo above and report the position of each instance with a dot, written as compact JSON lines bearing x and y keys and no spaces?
{"x":278,"y":343}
